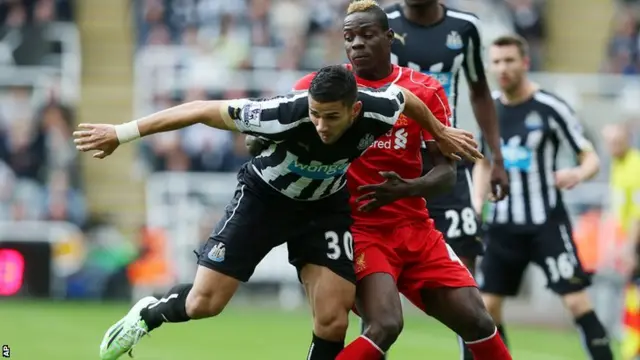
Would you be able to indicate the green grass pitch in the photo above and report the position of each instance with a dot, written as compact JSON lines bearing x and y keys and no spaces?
{"x":72,"y":331}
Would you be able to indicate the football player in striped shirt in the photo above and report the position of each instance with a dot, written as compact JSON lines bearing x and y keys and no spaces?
{"x":295,"y":194}
{"x":533,"y":225}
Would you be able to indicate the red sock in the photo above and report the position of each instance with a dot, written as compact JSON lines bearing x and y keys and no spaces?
{"x":361,"y":349}
{"x":491,"y":348}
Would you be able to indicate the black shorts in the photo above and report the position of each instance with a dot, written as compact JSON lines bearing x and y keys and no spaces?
{"x":456,"y":219}
{"x":258,"y":218}
{"x":551,"y":246}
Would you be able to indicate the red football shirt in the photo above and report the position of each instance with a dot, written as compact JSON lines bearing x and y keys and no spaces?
{"x":398,"y":150}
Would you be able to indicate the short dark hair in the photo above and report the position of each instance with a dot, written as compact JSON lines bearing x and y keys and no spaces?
{"x":334,"y":83}
{"x":513,"y":40}
{"x":371,"y":7}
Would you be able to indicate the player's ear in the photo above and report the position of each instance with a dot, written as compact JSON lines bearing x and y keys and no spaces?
{"x":355,"y":110}
{"x":390,"y":34}
{"x":527,"y":62}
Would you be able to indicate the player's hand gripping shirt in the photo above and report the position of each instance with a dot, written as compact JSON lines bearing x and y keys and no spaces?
{"x":297,"y":163}
{"x":397,"y":150}
{"x":440,"y":50}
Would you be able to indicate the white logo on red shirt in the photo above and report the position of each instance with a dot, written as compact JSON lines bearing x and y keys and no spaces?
{"x":401,"y":139}
{"x":393,"y":138}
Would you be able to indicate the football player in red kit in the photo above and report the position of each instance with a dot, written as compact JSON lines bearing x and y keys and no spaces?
{"x":397,"y":247}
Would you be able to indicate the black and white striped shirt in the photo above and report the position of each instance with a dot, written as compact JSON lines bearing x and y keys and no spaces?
{"x":440,"y":50}
{"x":297,"y":163}
{"x":443,"y":50}
{"x":531,"y":135}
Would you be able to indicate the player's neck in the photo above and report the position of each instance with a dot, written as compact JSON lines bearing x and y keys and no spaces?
{"x":375,"y":74}
{"x":424,"y":15}
{"x":521,"y":94}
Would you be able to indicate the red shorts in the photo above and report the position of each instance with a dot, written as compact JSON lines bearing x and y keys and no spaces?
{"x":416,"y":255}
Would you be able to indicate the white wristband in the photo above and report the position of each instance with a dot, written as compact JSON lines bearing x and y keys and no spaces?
{"x":127,"y":132}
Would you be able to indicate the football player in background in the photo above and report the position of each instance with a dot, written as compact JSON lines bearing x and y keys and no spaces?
{"x":533,"y":225}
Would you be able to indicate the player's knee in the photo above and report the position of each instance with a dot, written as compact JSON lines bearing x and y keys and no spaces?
{"x":478,"y":322}
{"x":385,"y":329}
{"x":204,"y":304}
{"x":578,"y":303}
{"x":331,"y":325}
{"x":481,"y":326}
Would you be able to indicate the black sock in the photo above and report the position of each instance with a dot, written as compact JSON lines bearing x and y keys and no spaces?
{"x":322,"y":349}
{"x":503,"y":334}
{"x":594,"y":336}
{"x":171,"y":308}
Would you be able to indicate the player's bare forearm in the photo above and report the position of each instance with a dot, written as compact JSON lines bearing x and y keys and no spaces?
{"x":589,"y":164}
{"x":211,"y":113}
{"x":486,"y":116}
{"x":416,"y":109}
{"x":481,"y":182}
{"x":441,"y":179}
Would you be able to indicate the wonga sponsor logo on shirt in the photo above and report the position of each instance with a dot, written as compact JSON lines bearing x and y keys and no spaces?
{"x":319,"y":171}
{"x":517,"y":157}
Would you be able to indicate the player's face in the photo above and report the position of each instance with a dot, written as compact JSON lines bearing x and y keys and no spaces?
{"x":368,"y":47}
{"x":508,"y":66}
{"x":332,"y":119}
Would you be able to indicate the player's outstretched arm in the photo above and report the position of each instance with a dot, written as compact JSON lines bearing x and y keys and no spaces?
{"x":214,"y":113}
{"x":105,"y":138}
{"x":452,"y":141}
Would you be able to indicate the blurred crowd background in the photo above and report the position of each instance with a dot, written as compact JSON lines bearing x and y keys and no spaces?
{"x":215,"y":38}
{"x":183,"y":50}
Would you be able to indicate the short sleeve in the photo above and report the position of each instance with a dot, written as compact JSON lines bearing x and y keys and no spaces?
{"x":384,"y":104}
{"x":271,"y":118}
{"x":573,"y":131}
{"x":437,"y":102}
{"x":566,"y":123}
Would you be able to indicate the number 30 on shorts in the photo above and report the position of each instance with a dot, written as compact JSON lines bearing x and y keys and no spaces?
{"x":339,"y":244}
{"x":464,"y":222}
